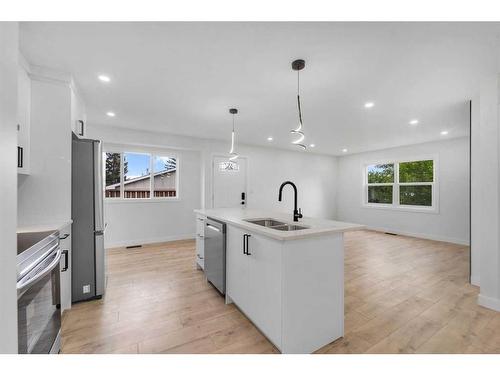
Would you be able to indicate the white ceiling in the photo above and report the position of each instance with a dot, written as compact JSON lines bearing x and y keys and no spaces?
{"x":183,"y":77}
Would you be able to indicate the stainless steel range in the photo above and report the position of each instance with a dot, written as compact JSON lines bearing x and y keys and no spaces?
{"x":38,"y":292}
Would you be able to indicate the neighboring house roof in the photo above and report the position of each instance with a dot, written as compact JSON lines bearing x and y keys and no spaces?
{"x":133,"y":180}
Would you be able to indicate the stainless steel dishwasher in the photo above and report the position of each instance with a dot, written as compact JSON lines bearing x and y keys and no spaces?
{"x":215,"y":253}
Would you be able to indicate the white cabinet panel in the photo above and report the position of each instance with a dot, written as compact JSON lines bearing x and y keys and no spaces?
{"x":265,"y":285}
{"x":200,"y":241}
{"x":254,"y":279}
{"x":65,"y":266}
{"x":237,"y":269}
{"x":23,"y":120}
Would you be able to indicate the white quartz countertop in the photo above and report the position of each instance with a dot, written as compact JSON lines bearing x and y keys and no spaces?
{"x":316,"y":227}
{"x":43,"y":227}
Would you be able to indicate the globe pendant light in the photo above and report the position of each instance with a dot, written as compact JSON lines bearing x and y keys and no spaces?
{"x":298,"y":132}
{"x":233,"y":155}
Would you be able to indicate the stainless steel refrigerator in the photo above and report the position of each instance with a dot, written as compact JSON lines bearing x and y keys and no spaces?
{"x":87,"y":245}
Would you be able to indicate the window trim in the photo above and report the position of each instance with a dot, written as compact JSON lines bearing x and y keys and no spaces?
{"x":396,"y":206}
{"x":152,"y":153}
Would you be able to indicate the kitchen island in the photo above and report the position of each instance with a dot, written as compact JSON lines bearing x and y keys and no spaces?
{"x":287,"y":277}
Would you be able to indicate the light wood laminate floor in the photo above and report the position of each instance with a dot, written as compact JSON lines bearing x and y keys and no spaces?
{"x":402,"y":295}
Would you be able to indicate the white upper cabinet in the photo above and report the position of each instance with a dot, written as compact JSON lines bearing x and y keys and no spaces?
{"x":23,"y":120}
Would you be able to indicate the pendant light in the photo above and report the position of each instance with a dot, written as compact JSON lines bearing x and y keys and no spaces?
{"x":233,"y":155}
{"x":298,"y":132}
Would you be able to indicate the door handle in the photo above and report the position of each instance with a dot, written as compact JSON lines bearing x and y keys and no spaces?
{"x":213,"y":228}
{"x":66,"y":256}
{"x":20,"y":157}
{"x":246,"y":245}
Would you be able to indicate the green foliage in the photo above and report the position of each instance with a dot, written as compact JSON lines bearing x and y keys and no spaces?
{"x":113,"y":168}
{"x":416,"y":171}
{"x":417,"y":195}
{"x":381,"y":173}
{"x":380,"y":194}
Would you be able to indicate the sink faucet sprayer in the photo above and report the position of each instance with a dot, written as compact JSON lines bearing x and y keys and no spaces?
{"x":296,"y":213}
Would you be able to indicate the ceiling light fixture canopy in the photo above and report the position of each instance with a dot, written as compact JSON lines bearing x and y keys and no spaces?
{"x":232,"y":155}
{"x":298,"y":65}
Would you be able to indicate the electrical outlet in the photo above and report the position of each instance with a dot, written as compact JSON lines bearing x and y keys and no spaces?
{"x":86,"y":289}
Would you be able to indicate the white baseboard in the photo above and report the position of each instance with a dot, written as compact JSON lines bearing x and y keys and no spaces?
{"x":488,"y":302}
{"x":421,"y":235}
{"x":149,"y":241}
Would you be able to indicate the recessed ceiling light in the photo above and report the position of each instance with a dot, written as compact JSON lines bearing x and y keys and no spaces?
{"x":444,"y":132}
{"x":104,"y":78}
{"x":111,"y":114}
{"x":270,"y":139}
{"x":414,"y":122}
{"x":369,"y":104}
{"x":312,"y":145}
{"x":344,"y":150}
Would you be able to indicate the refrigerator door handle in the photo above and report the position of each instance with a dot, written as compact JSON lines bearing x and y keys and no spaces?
{"x":98,"y":193}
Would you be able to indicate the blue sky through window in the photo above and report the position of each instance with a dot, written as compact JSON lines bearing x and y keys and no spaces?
{"x":138,"y":165}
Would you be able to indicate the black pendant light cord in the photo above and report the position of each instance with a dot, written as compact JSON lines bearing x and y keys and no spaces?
{"x":298,"y":97}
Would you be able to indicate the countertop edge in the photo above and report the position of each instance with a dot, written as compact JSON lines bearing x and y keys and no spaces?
{"x":56,"y":226}
{"x":276,"y":236}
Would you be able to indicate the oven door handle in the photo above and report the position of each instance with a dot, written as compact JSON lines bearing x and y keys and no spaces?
{"x":27,"y":281}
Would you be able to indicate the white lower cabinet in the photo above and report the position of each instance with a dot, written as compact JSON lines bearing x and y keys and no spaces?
{"x":65,"y":267}
{"x":254,"y":279}
{"x":200,"y":241}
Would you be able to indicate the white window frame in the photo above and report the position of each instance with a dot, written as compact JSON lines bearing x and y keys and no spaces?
{"x":152,"y":153}
{"x":395,"y":205}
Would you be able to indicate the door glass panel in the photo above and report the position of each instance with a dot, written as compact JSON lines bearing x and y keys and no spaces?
{"x":39,"y":315}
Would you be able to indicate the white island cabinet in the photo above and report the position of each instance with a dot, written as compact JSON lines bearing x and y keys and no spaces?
{"x":253,"y":280}
{"x":290,"y":284}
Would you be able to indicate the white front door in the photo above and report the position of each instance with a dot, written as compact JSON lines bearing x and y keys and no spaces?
{"x":229,"y":182}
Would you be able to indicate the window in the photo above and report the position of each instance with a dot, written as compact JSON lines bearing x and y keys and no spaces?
{"x":165,"y":176}
{"x":229,"y":166}
{"x":137,"y":175}
{"x":112,"y":163}
{"x":404,"y":184}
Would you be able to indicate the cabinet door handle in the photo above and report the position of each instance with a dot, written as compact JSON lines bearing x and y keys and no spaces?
{"x":248,"y":236}
{"x":19,"y":157}
{"x":64,"y":236}
{"x":244,"y":244}
{"x":81,"y":130}
{"x":66,"y":256}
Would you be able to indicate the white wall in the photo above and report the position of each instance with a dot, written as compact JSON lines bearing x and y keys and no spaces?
{"x":451,"y":223}
{"x":475,"y":229}
{"x":8,"y":193}
{"x":139,"y":222}
{"x":315,"y":176}
{"x":487,"y":185}
{"x":45,"y":194}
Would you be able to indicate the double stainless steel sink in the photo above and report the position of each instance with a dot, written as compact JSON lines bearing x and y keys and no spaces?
{"x":276,"y":224}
